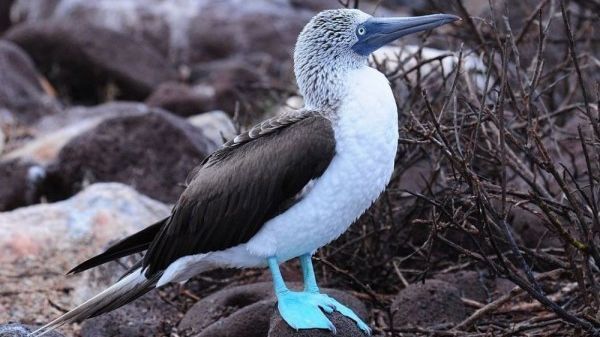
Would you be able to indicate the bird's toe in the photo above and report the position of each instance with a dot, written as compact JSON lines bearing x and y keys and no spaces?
{"x":344,"y":310}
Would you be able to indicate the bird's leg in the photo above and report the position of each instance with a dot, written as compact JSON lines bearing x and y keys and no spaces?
{"x":310,"y":286}
{"x":278,"y":282}
{"x":308,"y":273}
{"x":300,"y":310}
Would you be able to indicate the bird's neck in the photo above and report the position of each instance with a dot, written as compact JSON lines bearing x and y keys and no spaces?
{"x":323,"y":83}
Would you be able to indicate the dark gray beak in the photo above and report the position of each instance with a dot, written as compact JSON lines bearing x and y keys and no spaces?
{"x":377,"y":32}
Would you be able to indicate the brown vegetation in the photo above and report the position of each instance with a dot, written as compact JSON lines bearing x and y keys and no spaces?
{"x":511,"y":177}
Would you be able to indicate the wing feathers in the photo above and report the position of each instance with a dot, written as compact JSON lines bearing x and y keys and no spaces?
{"x":240,"y":187}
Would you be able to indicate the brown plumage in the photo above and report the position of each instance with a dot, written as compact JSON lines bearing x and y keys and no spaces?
{"x":240,"y":187}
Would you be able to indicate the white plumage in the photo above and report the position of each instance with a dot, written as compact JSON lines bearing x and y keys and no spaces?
{"x":366,"y":134}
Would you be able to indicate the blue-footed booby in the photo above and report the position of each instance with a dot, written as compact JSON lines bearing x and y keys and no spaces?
{"x":289,"y":185}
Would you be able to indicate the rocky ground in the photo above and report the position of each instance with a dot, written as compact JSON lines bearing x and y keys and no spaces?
{"x":106,"y":106}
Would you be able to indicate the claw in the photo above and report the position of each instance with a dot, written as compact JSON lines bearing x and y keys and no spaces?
{"x":332,"y":328}
{"x":365,"y":328}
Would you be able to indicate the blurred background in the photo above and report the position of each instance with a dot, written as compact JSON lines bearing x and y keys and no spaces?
{"x":488,"y":228}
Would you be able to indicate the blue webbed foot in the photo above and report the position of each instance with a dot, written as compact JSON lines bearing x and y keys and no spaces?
{"x":304,"y":310}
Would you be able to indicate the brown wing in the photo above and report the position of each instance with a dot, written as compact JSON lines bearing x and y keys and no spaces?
{"x":240,"y":187}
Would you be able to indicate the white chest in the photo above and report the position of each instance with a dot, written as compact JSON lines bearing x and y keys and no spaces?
{"x":366,"y":134}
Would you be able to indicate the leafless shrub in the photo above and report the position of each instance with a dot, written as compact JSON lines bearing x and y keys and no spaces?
{"x":524,"y":143}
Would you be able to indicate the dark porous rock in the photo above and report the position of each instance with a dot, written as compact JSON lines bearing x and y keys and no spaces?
{"x":249,"y":321}
{"x":53,"y":132}
{"x":218,"y":305}
{"x":267,"y":26}
{"x":240,"y":60}
{"x":533,"y":230}
{"x":20,"y":183}
{"x":21,"y":92}
{"x":232,"y":79}
{"x":27,"y":10}
{"x":20,"y":330}
{"x":478,"y":286}
{"x":149,"y":315}
{"x":91,"y":64}
{"x":246,"y":311}
{"x":154,"y":21}
{"x":343,"y":325}
{"x":154,"y":152}
{"x":181,"y":99}
{"x":185,"y":31}
{"x":433,"y":303}
{"x":5,"y":21}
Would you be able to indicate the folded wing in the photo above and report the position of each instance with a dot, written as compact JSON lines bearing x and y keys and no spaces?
{"x":240,"y":187}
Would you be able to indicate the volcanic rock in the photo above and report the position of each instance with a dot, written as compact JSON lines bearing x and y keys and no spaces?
{"x":431,"y":303}
{"x":90,"y":64}
{"x":20,"y":181}
{"x":246,"y":311}
{"x":181,"y":99}
{"x":186,"y":31}
{"x":477,"y":286}
{"x":20,"y":330}
{"x":231,"y":79}
{"x":21,"y":92}
{"x":216,"y":125}
{"x":153,"y":152}
{"x":39,"y":244}
{"x":270,"y":27}
{"x":343,"y":325}
{"x":532,"y":230}
{"x":53,"y":132}
{"x":5,"y":21}
{"x":148,"y":315}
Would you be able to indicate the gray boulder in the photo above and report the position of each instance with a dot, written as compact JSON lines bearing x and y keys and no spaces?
{"x":21,"y":92}
{"x":20,"y":181}
{"x":182,"y":99}
{"x":51,"y":133}
{"x":91,"y":64}
{"x":20,"y":330}
{"x":216,"y":125}
{"x":175,"y":28}
{"x":434,"y":302}
{"x":153,"y":152}
{"x":5,"y":21}
{"x":39,"y":244}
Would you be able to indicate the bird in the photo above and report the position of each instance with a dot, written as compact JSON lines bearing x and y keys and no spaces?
{"x":287,"y":186}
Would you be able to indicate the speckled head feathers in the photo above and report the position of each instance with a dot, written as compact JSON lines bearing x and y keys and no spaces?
{"x":323,"y":54}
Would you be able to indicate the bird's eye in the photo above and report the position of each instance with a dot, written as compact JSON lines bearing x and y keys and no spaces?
{"x":361,"y":30}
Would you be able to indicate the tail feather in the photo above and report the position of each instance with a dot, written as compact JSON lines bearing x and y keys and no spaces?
{"x":135,"y":243}
{"x":124,"y":291}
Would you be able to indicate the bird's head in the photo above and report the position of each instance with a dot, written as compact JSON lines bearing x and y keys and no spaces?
{"x":341,"y":39}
